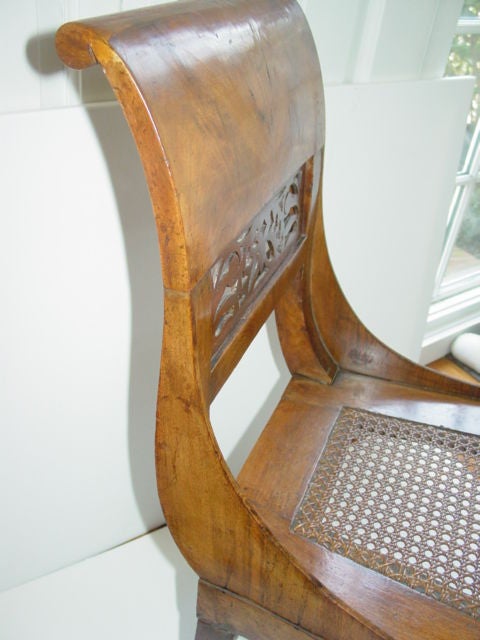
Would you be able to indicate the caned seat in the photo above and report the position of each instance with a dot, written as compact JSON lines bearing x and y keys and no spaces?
{"x":357,"y":513}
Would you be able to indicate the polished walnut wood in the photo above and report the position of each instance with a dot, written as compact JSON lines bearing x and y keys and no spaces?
{"x":450,"y":368}
{"x":207,"y":631}
{"x":225,"y":102}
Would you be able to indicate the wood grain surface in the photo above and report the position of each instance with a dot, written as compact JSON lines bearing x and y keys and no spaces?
{"x":225,"y":102}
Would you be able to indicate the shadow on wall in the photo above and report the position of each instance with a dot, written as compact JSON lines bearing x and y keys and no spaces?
{"x":146,"y":300}
{"x":146,"y":295}
{"x":42,"y":56}
{"x":144,"y":271}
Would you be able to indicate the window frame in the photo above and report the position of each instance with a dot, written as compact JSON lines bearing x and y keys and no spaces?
{"x":466,"y":180}
{"x":455,"y":306}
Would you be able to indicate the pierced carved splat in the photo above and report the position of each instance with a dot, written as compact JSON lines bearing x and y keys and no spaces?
{"x":251,"y":260}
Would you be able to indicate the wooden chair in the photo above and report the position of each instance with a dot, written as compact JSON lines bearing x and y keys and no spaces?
{"x":356,"y":514}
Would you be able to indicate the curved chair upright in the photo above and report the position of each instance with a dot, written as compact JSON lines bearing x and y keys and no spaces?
{"x":356,"y":515}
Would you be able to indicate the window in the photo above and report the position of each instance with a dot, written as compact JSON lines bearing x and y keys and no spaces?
{"x":455,"y":306}
{"x":459,"y":269}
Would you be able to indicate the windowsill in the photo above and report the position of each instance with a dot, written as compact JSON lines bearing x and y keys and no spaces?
{"x":448,"y":318}
{"x":462,"y":266}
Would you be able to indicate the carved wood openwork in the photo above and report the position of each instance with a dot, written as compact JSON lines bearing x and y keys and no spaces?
{"x":403,"y":499}
{"x":252,"y":259}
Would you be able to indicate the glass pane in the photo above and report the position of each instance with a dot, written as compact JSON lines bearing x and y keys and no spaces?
{"x":471,"y":9}
{"x":465,"y":257}
{"x":464,"y":60}
{"x":468,"y":238}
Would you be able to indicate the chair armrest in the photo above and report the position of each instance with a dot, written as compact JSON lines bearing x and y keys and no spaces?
{"x":352,"y":345}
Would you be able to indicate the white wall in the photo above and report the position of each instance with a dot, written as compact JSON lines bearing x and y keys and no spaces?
{"x":81,"y":326}
{"x":79,"y":259}
{"x":392,"y":149}
{"x":143,"y":590}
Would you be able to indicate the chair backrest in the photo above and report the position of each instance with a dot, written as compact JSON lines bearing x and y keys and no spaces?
{"x":225,"y":102}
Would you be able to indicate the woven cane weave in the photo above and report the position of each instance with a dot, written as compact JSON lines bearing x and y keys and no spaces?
{"x":401,"y":498}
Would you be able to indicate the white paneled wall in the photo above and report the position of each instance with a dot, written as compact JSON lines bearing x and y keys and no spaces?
{"x":391,"y":59}
{"x":140,"y":591}
{"x":80,"y":281}
{"x":390,"y":217}
{"x":79,"y":258}
{"x":33,"y":77}
{"x":21,"y":83}
{"x":337,"y":45}
{"x":382,"y":40}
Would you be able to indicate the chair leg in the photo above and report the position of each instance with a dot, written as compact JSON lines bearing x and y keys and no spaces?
{"x":212,"y":632}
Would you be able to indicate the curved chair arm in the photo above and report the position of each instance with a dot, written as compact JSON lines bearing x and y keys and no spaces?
{"x":351,"y":344}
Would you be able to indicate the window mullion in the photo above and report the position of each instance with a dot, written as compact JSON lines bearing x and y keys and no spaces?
{"x":462,"y":179}
{"x":460,"y":206}
{"x":472,"y":162}
{"x":468,"y":25}
{"x":473,"y":151}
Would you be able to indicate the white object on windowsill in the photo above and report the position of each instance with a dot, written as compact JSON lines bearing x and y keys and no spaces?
{"x":466,"y":349}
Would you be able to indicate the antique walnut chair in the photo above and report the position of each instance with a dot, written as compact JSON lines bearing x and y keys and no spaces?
{"x":357,"y":514}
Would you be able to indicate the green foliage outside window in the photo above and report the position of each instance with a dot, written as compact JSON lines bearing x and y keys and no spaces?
{"x":464,"y":60}
{"x":468,"y":237}
{"x":471,"y":9}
